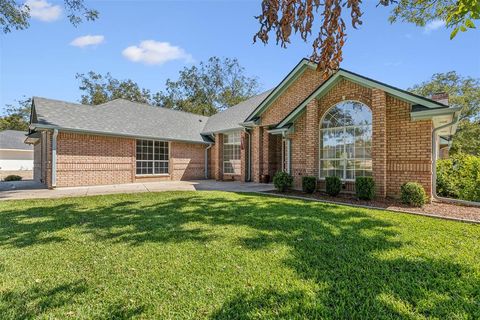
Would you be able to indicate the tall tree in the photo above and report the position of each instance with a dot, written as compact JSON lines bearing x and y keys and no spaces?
{"x":210,"y":87}
{"x":99,"y":89}
{"x":288,"y":17}
{"x":15,"y":15}
{"x":17,"y":116}
{"x":463,"y":92}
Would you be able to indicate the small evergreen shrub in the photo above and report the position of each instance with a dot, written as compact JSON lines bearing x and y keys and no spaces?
{"x":412,"y":193}
{"x":309,"y":184}
{"x":333,"y":186}
{"x":12,"y":177}
{"x":365,"y":188}
{"x":282,"y":181}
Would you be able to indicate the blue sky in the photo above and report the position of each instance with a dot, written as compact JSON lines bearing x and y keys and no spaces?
{"x":42,"y":61}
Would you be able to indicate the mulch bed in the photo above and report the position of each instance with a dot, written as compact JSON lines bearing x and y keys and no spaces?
{"x":441,"y":209}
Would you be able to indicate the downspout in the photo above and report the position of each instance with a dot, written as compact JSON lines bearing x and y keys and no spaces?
{"x":454,"y":121}
{"x":54,"y":158}
{"x":206,"y":160}
{"x":249,"y":168}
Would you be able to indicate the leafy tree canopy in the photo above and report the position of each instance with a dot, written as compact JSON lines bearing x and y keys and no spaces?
{"x":204,"y":89}
{"x":15,"y":15}
{"x":208,"y":88}
{"x":99,"y":89}
{"x":17,"y":116}
{"x":463,"y":92}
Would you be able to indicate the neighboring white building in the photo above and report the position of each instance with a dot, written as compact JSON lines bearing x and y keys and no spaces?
{"x":14,"y":153}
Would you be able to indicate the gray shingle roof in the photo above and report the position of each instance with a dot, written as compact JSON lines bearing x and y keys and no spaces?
{"x":12,"y":139}
{"x":231,"y":117}
{"x":121,"y":117}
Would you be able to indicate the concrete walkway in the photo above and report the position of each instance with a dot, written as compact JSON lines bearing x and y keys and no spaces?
{"x":32,"y":190}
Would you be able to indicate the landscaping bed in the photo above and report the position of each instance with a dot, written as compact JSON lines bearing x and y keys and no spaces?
{"x":436,"y":208}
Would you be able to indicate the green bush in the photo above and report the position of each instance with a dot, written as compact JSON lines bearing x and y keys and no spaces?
{"x":459,"y":177}
{"x":333,"y":185}
{"x":412,"y":193}
{"x":282,"y":181}
{"x":365,"y":188}
{"x":447,"y":185}
{"x":309,"y":184}
{"x":12,"y":177}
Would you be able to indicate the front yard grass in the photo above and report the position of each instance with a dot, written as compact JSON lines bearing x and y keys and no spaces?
{"x":178,"y":255}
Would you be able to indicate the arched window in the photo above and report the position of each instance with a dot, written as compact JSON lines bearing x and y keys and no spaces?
{"x":346,"y":141}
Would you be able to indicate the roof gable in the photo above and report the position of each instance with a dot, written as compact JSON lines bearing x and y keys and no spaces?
{"x":323,"y":88}
{"x":304,"y":64}
{"x":293,"y":75}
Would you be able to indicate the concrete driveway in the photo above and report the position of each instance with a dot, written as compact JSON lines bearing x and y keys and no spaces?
{"x":35,"y":190}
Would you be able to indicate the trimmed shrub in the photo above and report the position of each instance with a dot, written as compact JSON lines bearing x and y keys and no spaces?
{"x":365,"y":188}
{"x":282,"y":181}
{"x":12,"y":177}
{"x":309,"y":184}
{"x":459,"y":177}
{"x":413,"y":194}
{"x":333,"y":186}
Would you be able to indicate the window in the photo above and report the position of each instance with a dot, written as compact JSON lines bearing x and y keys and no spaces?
{"x":152,"y":157}
{"x":231,"y":153}
{"x":346,"y":141}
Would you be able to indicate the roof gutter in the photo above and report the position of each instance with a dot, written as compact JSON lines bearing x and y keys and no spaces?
{"x":454,"y":122}
{"x":249,"y":167}
{"x":110,"y":134}
{"x":206,"y":160}
{"x":54,"y":158}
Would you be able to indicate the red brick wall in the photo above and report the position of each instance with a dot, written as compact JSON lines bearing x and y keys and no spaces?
{"x":401,"y":148}
{"x":94,"y":160}
{"x":292,"y":97}
{"x":187,"y":161}
{"x":98,"y":160}
{"x":409,"y":148}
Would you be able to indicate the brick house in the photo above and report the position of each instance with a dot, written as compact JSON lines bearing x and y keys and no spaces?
{"x":347,"y":125}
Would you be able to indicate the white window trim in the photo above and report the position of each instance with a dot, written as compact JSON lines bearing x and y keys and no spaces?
{"x":153,"y":168}
{"x":231,"y":144}
{"x":286,"y":163}
{"x":320,"y":136}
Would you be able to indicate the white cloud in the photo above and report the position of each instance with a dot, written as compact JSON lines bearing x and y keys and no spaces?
{"x":87,"y":40}
{"x":433,"y":25}
{"x":155,"y":52}
{"x":43,"y":10}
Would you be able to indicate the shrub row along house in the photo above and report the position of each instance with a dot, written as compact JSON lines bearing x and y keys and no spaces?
{"x":346,"y":126}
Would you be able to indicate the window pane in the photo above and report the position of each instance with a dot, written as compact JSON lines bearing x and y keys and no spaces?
{"x":152,"y":157}
{"x":346,"y":133}
{"x":231,"y":153}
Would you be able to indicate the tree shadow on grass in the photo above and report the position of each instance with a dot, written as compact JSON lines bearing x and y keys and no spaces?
{"x":38,"y":299}
{"x":338,"y":248}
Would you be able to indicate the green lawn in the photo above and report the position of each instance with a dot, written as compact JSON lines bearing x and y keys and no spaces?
{"x":224,"y":255}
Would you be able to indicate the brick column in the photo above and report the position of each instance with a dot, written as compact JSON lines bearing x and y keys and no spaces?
{"x":266,"y":157}
{"x":311,"y":143}
{"x":257,"y":155}
{"x":379,"y":141}
{"x":243,"y":156}
{"x":217,"y":156}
